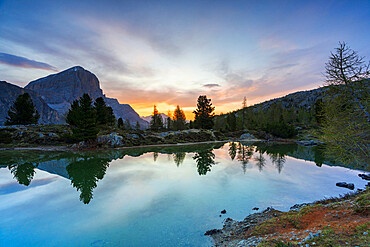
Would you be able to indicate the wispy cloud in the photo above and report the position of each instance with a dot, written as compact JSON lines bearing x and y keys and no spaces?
{"x":211,"y":85}
{"x":23,"y":62}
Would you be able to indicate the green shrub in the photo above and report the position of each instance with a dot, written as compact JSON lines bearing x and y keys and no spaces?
{"x":5,"y":137}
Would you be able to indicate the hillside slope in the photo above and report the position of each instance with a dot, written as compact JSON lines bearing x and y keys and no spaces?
{"x":10,"y":92}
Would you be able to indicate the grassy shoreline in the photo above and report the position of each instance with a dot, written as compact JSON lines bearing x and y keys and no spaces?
{"x":342,"y":221}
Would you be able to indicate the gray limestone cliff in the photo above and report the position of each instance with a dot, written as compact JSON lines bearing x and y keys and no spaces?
{"x":10,"y":92}
{"x":61,"y":89}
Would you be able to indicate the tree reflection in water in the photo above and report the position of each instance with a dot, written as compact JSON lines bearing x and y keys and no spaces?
{"x":245,"y":153}
{"x":260,"y":160}
{"x":85,"y":174}
{"x":232,"y":150}
{"x":86,"y":169}
{"x":179,"y":158}
{"x":155,"y":156}
{"x":23,"y":173}
{"x":278,"y":160}
{"x":204,"y":160}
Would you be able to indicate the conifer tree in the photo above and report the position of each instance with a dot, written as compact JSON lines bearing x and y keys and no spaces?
{"x":204,"y":113}
{"x":191,"y":124}
{"x":137,"y":126}
{"x":104,"y":113}
{"x":231,"y":121}
{"x":128,"y":124}
{"x":244,"y":106}
{"x":347,"y":121}
{"x":169,"y":123}
{"x":156,"y":123}
{"x":319,"y":111}
{"x":82,"y":116}
{"x":23,"y":111}
{"x":179,"y":118}
{"x":120,"y":123}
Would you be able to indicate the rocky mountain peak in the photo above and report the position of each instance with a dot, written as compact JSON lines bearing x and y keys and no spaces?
{"x":59,"y":90}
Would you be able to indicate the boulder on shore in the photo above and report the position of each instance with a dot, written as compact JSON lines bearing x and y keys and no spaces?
{"x":113,"y":139}
{"x":247,"y":136}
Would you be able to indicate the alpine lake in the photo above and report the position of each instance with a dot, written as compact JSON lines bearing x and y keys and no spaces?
{"x":157,"y":196}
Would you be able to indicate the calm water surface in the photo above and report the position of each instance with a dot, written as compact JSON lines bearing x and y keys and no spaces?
{"x":153,"y":197}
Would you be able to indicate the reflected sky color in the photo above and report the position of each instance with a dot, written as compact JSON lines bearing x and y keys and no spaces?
{"x":169,"y":52}
{"x":142,"y":202}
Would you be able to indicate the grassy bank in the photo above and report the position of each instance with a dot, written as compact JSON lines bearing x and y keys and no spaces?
{"x":340,"y":221}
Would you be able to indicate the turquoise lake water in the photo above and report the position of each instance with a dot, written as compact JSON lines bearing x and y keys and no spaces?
{"x":155,"y":196}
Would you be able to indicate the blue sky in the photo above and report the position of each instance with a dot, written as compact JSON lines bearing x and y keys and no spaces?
{"x":169,"y":52}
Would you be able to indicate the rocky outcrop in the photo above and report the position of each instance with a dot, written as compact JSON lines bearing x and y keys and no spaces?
{"x":113,"y":140}
{"x":305,"y":99}
{"x":61,"y":89}
{"x":125,"y":111}
{"x":10,"y":92}
{"x":247,"y":136}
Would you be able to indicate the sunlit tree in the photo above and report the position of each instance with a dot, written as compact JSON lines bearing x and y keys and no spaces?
{"x":156,"y":123}
{"x":179,"y":119}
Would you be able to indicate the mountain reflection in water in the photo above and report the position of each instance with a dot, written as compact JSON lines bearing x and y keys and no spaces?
{"x":85,"y":169}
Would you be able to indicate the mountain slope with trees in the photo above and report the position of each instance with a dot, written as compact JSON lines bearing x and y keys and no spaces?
{"x":10,"y":92}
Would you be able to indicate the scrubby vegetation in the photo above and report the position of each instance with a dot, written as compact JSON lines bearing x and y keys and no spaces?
{"x":342,"y":221}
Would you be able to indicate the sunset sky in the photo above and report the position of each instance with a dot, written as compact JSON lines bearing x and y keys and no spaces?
{"x":169,"y":52}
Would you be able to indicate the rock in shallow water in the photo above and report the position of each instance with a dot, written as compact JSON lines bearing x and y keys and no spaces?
{"x":212,"y":232}
{"x":364,"y":176}
{"x":345,"y":185}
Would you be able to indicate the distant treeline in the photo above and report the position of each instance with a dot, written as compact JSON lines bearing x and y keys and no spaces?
{"x":276,"y":119}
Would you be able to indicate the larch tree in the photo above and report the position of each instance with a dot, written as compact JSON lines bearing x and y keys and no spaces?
{"x":179,"y":118}
{"x":244,"y":108}
{"x":347,"y":122}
